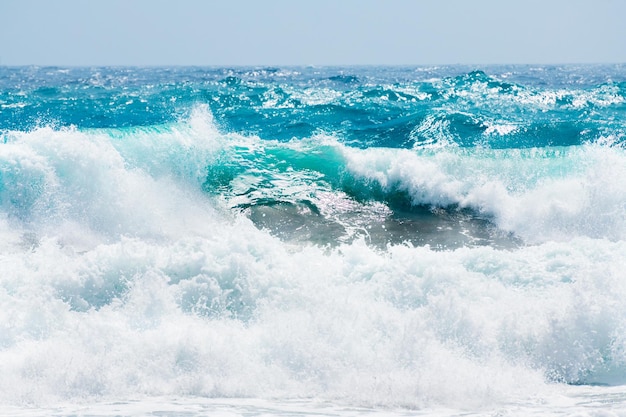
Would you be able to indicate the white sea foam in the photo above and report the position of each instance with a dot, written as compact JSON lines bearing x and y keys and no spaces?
{"x":241,"y":314}
{"x":538,"y":194}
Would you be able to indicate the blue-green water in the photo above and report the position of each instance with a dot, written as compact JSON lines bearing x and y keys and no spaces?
{"x":498,"y":107}
{"x":387,"y":237}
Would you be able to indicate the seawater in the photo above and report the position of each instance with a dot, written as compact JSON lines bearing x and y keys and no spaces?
{"x":329,"y":241}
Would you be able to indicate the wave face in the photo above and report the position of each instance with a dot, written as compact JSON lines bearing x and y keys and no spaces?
{"x":386,"y":237}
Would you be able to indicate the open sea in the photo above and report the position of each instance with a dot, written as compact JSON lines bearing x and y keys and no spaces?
{"x":313,"y":241}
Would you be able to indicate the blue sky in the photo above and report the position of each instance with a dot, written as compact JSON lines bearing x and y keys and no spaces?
{"x":314,"y":32}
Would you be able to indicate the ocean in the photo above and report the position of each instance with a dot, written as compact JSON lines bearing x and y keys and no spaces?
{"x":313,"y":241}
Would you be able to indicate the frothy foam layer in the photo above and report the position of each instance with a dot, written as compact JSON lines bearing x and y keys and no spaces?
{"x":239,"y":314}
{"x":538,"y":194}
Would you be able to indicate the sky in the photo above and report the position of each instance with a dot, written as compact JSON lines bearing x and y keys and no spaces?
{"x":311,"y":32}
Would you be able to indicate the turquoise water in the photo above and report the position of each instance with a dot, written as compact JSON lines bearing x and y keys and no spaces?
{"x":395,"y":238}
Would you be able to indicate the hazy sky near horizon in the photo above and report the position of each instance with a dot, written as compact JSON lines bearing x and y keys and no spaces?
{"x":320,"y":32}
